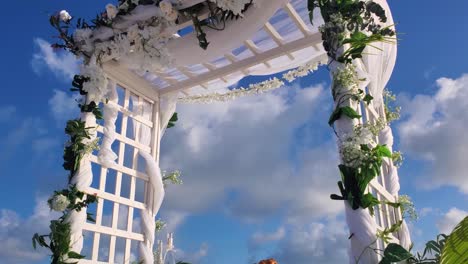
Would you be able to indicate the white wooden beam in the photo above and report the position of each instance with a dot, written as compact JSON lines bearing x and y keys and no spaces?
{"x":255,"y":50}
{"x":292,"y":46}
{"x":189,"y":74}
{"x":275,"y":35}
{"x":297,"y":19}
{"x":231,"y":58}
{"x":128,"y":79}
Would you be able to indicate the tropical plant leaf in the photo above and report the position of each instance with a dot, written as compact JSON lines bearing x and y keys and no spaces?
{"x":395,"y":253}
{"x":456,"y":245}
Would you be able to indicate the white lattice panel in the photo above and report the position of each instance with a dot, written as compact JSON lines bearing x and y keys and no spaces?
{"x":115,"y":235}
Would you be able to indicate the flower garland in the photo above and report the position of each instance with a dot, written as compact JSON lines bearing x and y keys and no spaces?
{"x":137,"y":31}
{"x":257,"y":88}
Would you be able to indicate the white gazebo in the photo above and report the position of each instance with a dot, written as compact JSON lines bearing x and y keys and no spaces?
{"x":272,"y":36}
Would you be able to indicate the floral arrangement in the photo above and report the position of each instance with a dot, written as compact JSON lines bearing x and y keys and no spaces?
{"x":351,"y":26}
{"x":256,"y":88}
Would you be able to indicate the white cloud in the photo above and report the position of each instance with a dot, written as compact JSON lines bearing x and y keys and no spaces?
{"x":236,"y":157}
{"x":16,"y":233}
{"x":259,"y":238}
{"x":63,"y":106}
{"x":316,"y":242}
{"x":63,"y":64}
{"x":448,"y":222}
{"x":435,"y":131}
{"x":193,"y":257}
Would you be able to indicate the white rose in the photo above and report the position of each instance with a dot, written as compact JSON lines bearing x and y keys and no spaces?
{"x":65,"y":16}
{"x":111,"y":11}
{"x":59,"y":203}
{"x":173,"y":15}
{"x":166,"y":7}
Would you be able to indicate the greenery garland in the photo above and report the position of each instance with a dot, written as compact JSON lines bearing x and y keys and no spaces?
{"x":58,"y":241}
{"x":351,"y":26}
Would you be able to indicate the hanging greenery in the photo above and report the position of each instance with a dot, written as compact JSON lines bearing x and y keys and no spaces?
{"x":58,"y":241}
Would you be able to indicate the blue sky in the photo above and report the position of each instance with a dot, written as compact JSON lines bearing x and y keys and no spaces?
{"x":267,"y":193}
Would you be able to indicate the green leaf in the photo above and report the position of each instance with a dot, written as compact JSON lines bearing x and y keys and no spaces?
{"x":383,"y":151}
{"x":334,"y":116}
{"x":456,"y":245}
{"x":395,"y":253}
{"x":368,"y":98}
{"x":75,"y":255}
{"x":350,"y":112}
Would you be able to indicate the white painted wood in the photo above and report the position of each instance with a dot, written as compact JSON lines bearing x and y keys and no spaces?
{"x":245,"y":64}
{"x":297,"y":19}
{"x":275,"y":35}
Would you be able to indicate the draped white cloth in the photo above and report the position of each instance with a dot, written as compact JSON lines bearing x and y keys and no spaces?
{"x":106,"y":155}
{"x":186,"y":52}
{"x":155,"y":187}
{"x":82,"y":179}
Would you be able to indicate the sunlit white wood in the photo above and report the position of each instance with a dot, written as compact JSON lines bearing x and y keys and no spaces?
{"x":134,"y":173}
{"x":129,"y":113}
{"x":297,"y":19}
{"x":116,"y":199}
{"x":255,"y":50}
{"x":118,"y":180}
{"x":126,"y":78}
{"x":212,"y":67}
{"x":113,"y":232}
{"x":231,"y":58}
{"x":275,"y":35}
{"x":99,"y":211}
{"x":292,"y":46}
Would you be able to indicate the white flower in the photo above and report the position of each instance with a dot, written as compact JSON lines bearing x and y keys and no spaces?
{"x":59,"y":203}
{"x":173,"y":15}
{"x":65,"y":16}
{"x":82,"y":38}
{"x":111,"y":11}
{"x":166,"y":7}
{"x":236,"y":6}
{"x":97,"y":85}
{"x":365,"y":136}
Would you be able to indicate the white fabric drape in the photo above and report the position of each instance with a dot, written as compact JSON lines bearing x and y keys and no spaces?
{"x":186,"y":52}
{"x":155,"y":188}
{"x":82,"y":179}
{"x":107,"y":156}
{"x":379,"y":64}
{"x":362,"y":226}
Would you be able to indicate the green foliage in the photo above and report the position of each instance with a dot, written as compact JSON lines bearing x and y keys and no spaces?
{"x":342,"y":111}
{"x":456,"y":245}
{"x":368,"y":99}
{"x":173,"y":120}
{"x":394,"y":253}
{"x":354,"y":181}
{"x":216,"y":20}
{"x":355,"y":17}
{"x":385,"y":234}
{"x":76,"y":148}
{"x":431,"y":253}
{"x":59,"y":239}
{"x":160,"y":225}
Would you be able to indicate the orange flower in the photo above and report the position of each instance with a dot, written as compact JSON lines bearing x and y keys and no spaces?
{"x":268,"y":261}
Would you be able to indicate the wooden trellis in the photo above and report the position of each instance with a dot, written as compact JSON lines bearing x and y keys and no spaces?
{"x":115,"y":240}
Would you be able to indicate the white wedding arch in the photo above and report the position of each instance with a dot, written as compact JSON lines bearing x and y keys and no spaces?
{"x":272,"y":36}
